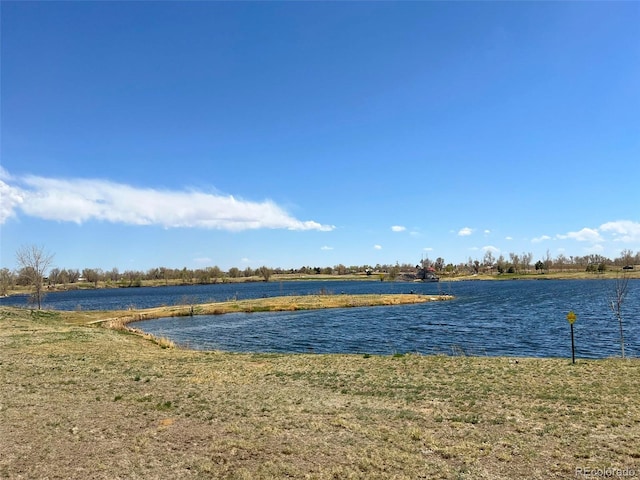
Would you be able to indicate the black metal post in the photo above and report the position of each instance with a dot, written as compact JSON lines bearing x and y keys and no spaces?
{"x":573,"y":347}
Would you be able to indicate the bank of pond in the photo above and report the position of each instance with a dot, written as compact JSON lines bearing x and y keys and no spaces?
{"x":485,"y":318}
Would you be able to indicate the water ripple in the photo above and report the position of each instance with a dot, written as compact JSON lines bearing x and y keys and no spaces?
{"x":516,"y":318}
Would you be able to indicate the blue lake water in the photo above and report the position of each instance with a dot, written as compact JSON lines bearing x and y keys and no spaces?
{"x":512,"y":318}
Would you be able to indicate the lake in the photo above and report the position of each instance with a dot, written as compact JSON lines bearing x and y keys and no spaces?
{"x":494,"y":318}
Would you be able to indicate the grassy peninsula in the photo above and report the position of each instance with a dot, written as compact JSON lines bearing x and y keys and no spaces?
{"x":82,"y":401}
{"x":269,"y":304}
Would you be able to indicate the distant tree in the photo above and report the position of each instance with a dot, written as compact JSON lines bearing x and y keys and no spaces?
{"x":539,"y":265}
{"x":63,"y":277}
{"x":248,"y":272}
{"x":7,"y":280}
{"x":548,"y":262}
{"x":626,"y":257}
{"x":23,"y":277}
{"x":394,"y":272}
{"x":469,"y":265}
{"x":488,"y":259}
{"x":439,"y":264}
{"x":265,"y":273}
{"x":186,"y":276}
{"x":340,"y":269}
{"x":615,"y":303}
{"x":153,"y":274}
{"x":73,"y":275}
{"x":35,"y":262}
{"x":515,"y":262}
{"x":131,"y":278}
{"x":54,"y":276}
{"x":215,"y":273}
{"x":561,"y":261}
{"x":113,"y":274}
{"x":234,"y":272}
{"x":202,"y":275}
{"x":92,"y":275}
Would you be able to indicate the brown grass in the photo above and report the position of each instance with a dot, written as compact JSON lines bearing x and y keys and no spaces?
{"x":119,"y":320}
{"x":84,"y":402}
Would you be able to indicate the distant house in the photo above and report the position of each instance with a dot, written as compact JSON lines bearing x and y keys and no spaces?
{"x":427,"y":275}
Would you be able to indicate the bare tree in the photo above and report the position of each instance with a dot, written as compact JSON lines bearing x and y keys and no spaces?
{"x":265,"y":273}
{"x":34,"y":262}
{"x":488,"y":259}
{"x":515,"y":260}
{"x":92,"y":275}
{"x":7,"y":279}
{"x":548,"y":262}
{"x":615,"y":303}
{"x":626,"y":257}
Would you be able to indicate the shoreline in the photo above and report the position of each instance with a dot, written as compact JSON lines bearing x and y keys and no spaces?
{"x":269,"y":304}
{"x":608,"y":275}
{"x":119,"y":320}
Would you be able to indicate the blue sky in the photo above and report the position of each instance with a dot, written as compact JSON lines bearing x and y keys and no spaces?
{"x":142,"y":134}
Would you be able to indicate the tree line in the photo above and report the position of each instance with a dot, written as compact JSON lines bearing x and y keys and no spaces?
{"x":35,"y":269}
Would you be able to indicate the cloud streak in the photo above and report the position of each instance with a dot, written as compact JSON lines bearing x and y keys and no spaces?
{"x":584,"y":235}
{"x":540,"y":239}
{"x":83,"y":200}
{"x":624,"y":231}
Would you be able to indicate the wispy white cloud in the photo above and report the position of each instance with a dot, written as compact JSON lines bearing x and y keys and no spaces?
{"x":595,"y":248}
{"x":377,"y":247}
{"x":203,"y":261}
{"x":584,"y":235}
{"x":623,"y":230}
{"x":491,"y":248}
{"x":487,"y":232}
{"x":540,"y":239}
{"x":428,"y":249}
{"x":398,"y":228}
{"x":82,"y":200}
{"x":326,"y":247}
{"x":10,"y":198}
{"x":508,"y":238}
{"x":465,"y":232}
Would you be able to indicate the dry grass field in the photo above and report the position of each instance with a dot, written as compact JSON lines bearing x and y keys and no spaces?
{"x":80,"y":401}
